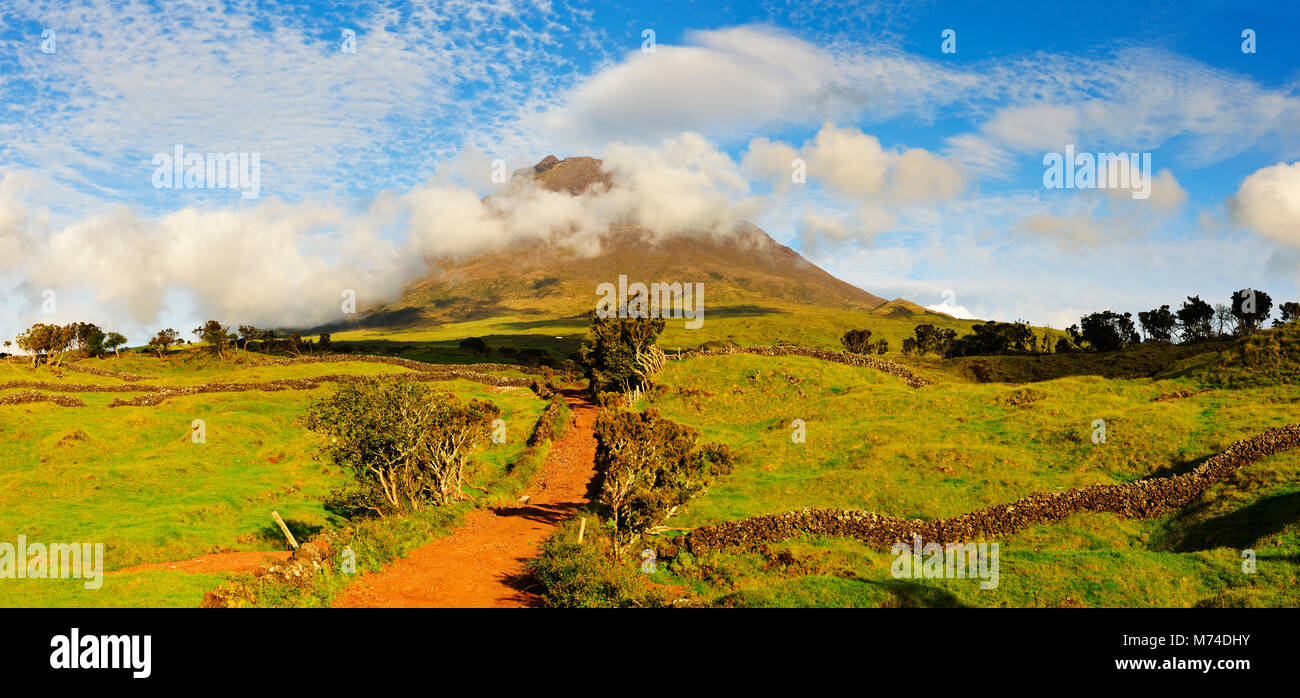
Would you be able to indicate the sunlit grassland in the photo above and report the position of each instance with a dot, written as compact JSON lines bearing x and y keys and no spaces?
{"x":875,"y":444}
{"x":187,"y":368}
{"x":131,"y":477}
{"x":773,"y":323}
{"x":139,"y":589}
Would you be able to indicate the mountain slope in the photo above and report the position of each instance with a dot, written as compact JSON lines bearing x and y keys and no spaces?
{"x":547,"y":288}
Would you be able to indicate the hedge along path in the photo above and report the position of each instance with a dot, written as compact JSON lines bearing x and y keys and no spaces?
{"x":1140,"y":499}
{"x":481,"y":564}
{"x":839,"y":357}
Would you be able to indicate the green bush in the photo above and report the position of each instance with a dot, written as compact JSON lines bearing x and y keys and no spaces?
{"x":619,"y":354}
{"x":589,"y":575}
{"x":647,"y":466}
{"x":405,"y":444}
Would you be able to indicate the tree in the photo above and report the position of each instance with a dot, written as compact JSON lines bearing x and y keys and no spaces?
{"x":1223,"y":319}
{"x":1106,"y":331}
{"x":859,"y":342}
{"x":1158,"y":324}
{"x":36,"y":341}
{"x":405,"y":444}
{"x":475,"y":346}
{"x":1194,"y":320}
{"x":994,"y":338}
{"x":52,"y":341}
{"x":247,"y":333}
{"x":113,"y":341}
{"x":647,"y":466}
{"x":928,"y":339}
{"x":215,"y":336}
{"x":619,"y":354}
{"x":1290,"y":313}
{"x":89,"y":338}
{"x":163,"y":341}
{"x":1250,"y":308}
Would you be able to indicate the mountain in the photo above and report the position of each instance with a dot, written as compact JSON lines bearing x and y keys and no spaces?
{"x":539,"y":285}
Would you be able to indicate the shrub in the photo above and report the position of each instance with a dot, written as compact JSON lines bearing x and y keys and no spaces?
{"x":215,"y":336}
{"x":859,"y":342}
{"x":587,"y":575}
{"x":1105,"y":331}
{"x":405,"y":444}
{"x":475,"y":346}
{"x":619,"y":354}
{"x":994,"y":338}
{"x":929,"y":339}
{"x":647,"y":466}
{"x":163,"y":341}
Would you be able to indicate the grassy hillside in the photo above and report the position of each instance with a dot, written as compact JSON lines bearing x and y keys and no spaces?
{"x":775,"y":322}
{"x":875,"y":444}
{"x":536,"y":294}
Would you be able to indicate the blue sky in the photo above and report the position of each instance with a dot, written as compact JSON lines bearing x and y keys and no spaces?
{"x":924,"y":168}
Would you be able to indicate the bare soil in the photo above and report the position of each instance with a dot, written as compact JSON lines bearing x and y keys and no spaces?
{"x":481,"y":564}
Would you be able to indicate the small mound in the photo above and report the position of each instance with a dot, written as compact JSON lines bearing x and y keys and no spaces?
{"x":1268,"y":357}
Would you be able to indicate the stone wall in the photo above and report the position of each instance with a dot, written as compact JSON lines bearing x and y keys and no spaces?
{"x":1140,"y":499}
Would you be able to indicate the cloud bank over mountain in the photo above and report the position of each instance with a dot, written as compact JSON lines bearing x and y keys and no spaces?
{"x":922,"y":171}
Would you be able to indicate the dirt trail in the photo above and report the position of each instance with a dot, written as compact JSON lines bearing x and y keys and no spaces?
{"x":216,"y":562}
{"x":480,"y":565}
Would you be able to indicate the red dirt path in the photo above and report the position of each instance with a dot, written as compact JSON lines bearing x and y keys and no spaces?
{"x":216,"y":562}
{"x":480,"y":565}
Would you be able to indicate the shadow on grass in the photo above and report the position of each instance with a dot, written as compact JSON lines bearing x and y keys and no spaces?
{"x":906,"y":593}
{"x":301,"y":532}
{"x":1177,"y":468}
{"x":1240,"y":528}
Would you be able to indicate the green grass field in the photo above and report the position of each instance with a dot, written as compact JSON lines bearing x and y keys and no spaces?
{"x":990,"y":430}
{"x":774,"y":322}
{"x":874,"y":444}
{"x":132,"y":478}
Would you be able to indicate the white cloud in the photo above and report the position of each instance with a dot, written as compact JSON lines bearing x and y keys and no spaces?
{"x":130,"y":80}
{"x":728,"y":82}
{"x":858,"y":187}
{"x":277,"y":263}
{"x":1268,"y":202}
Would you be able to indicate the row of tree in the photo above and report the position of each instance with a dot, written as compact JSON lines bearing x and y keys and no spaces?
{"x":54,"y":342}
{"x":217,"y":339}
{"x":1195,"y":321}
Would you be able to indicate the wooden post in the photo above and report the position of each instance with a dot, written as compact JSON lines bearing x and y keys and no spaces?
{"x":287,"y":534}
{"x":582,"y":528}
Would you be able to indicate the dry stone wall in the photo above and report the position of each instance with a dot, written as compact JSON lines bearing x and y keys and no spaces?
{"x":1140,"y":499}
